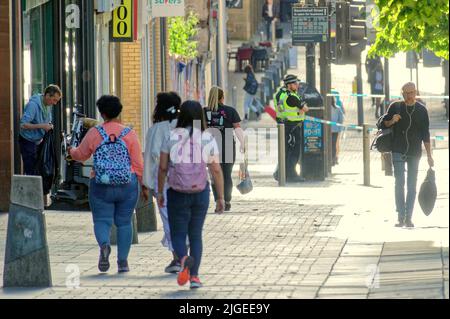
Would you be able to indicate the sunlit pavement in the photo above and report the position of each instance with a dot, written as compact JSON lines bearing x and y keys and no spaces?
{"x":331,"y":239}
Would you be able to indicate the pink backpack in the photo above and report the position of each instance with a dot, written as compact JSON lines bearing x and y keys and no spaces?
{"x":187,"y":170}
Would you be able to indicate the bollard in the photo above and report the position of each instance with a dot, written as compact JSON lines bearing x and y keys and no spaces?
{"x":113,"y":235}
{"x":281,"y":156}
{"x":274,"y":34}
{"x":146,"y":216}
{"x":234,"y":96}
{"x":27,"y":262}
{"x":388,"y":164}
{"x":366,"y":154}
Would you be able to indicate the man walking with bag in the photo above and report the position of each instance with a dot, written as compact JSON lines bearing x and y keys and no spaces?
{"x":411,"y":127}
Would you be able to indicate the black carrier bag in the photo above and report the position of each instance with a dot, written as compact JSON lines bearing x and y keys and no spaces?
{"x":46,"y":164}
{"x":428,"y":193}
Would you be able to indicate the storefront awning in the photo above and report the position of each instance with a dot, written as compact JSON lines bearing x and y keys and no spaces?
{"x":30,"y":4}
{"x":106,"y":5}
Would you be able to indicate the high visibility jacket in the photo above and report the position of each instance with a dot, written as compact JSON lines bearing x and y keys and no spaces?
{"x":284,"y":111}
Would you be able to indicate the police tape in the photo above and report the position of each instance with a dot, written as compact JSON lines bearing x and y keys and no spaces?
{"x":348,"y":126}
{"x":445,"y":97}
{"x":360,"y":128}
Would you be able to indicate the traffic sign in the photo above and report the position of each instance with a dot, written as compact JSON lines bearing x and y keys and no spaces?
{"x":309,"y":25}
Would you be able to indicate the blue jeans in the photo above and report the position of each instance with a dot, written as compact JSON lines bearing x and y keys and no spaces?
{"x":248,"y":104}
{"x":114,"y":204}
{"x":405,"y":208}
{"x":269,"y":30}
{"x":187,"y":213}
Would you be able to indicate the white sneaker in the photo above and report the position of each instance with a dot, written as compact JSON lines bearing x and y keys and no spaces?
{"x":47,"y":201}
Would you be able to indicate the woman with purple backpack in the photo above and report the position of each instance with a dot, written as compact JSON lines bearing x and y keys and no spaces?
{"x":184,"y":159}
{"x":164,"y":120}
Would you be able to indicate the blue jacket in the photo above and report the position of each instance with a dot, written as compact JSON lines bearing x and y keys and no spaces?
{"x":251,"y":84}
{"x":35,"y":113}
{"x":337,"y":116}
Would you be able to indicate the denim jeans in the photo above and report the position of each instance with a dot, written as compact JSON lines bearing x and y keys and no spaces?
{"x":405,"y":208}
{"x":114,"y":204}
{"x":187,"y":213}
{"x":269,"y":30}
{"x":248,"y":104}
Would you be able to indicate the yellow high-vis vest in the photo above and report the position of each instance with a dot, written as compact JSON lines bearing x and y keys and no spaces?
{"x":286,"y":112}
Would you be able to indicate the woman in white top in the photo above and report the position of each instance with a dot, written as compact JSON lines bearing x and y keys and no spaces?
{"x":164,"y":120}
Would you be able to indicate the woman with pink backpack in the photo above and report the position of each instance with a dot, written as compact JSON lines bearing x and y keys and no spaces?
{"x":185,"y":158}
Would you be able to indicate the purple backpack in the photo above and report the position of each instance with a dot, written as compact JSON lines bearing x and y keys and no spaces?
{"x":187,"y":170}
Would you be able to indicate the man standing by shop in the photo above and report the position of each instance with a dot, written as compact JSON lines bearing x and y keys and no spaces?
{"x":291,"y":111}
{"x":411,"y":126}
{"x":270,"y":14}
{"x":35,"y":122}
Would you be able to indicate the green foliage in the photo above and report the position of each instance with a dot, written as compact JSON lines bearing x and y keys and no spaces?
{"x":411,"y":25}
{"x":182,"y":30}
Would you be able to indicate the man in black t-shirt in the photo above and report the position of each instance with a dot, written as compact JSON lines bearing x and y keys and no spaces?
{"x":411,"y":126}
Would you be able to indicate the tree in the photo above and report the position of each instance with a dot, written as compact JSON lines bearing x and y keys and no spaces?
{"x":182,"y":30}
{"x":411,"y":25}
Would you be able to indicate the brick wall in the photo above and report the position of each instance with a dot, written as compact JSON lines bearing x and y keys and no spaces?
{"x":131,"y":78}
{"x":130,"y":61}
{"x":6,"y":161}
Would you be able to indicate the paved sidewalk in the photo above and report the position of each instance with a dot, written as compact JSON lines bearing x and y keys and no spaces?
{"x":314,"y":240}
{"x":331,"y":239}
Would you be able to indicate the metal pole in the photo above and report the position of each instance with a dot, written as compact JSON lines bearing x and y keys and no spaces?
{"x":366,"y":154}
{"x":163,"y":39}
{"x":274,"y":36}
{"x":386,"y":157}
{"x":387,"y":87}
{"x":325,"y":88}
{"x":234,"y":96}
{"x":417,"y":76}
{"x":359,"y":85}
{"x":388,"y":170}
{"x":281,"y":156}
{"x":445,"y":74}
{"x":222,"y":19}
{"x":311,"y":57}
{"x":311,"y":64}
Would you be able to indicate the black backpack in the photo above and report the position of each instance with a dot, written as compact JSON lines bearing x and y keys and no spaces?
{"x":384,"y":138}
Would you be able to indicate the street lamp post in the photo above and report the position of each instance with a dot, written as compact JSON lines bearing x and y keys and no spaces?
{"x":222,"y":38}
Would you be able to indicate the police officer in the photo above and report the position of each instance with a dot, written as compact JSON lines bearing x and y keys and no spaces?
{"x":291,"y":111}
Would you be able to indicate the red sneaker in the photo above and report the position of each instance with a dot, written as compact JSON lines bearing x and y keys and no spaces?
{"x":195,"y":282}
{"x":186,"y":264}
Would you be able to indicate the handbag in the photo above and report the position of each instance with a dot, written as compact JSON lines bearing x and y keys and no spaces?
{"x":384,"y":138}
{"x":245,"y":185}
{"x":428,"y":193}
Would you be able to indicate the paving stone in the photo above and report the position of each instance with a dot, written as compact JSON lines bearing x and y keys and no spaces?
{"x":355,"y":250}
{"x":336,"y":290}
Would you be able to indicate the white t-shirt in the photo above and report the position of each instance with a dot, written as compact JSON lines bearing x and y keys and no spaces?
{"x":270,"y":10}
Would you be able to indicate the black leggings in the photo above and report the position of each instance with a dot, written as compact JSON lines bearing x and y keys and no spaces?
{"x":227,"y":169}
